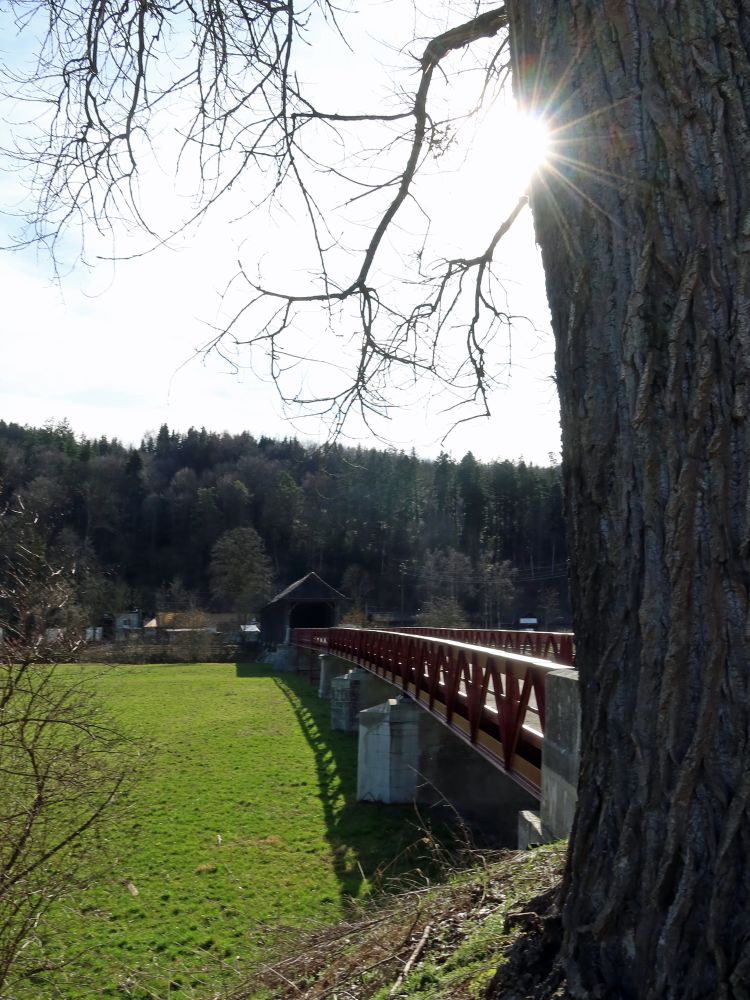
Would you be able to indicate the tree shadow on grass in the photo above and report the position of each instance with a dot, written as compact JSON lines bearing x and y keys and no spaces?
{"x":370,"y":842}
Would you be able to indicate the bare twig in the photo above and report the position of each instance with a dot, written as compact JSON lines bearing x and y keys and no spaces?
{"x":109,"y":77}
{"x":419,"y":947}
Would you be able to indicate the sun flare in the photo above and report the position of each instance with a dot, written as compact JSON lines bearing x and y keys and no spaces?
{"x":529,"y":140}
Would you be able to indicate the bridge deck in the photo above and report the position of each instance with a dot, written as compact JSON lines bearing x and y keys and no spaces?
{"x":490,"y":693}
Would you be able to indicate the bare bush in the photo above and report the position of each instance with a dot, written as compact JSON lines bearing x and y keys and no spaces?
{"x":62,"y":765}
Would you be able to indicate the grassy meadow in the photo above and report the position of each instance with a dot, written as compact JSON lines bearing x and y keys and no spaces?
{"x":243,"y":821}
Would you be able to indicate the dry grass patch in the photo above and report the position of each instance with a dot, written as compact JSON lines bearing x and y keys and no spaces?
{"x":433,"y":942}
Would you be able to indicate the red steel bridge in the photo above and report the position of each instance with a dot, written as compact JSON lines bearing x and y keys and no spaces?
{"x":486,"y":685}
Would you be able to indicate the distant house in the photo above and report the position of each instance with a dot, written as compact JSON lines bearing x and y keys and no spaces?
{"x":307,"y":603}
{"x":249,"y":636}
{"x":127,"y":623}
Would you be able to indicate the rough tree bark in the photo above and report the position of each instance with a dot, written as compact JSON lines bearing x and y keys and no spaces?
{"x":645,"y":235}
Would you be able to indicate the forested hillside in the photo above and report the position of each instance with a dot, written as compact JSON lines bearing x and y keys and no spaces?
{"x":157,"y":527}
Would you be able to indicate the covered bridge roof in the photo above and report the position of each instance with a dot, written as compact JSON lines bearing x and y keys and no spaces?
{"x":308,"y":588}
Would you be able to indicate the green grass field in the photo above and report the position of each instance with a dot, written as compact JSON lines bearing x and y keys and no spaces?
{"x":243,"y":820}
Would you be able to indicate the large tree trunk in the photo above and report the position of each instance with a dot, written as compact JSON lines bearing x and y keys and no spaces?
{"x":644,"y":225}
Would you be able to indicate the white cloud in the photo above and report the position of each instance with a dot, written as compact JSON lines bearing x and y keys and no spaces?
{"x":110,"y":348}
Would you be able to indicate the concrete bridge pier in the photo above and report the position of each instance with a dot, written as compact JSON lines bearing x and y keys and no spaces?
{"x":330,"y":667}
{"x":388,"y":753}
{"x":352,"y":692}
{"x":406,"y":755}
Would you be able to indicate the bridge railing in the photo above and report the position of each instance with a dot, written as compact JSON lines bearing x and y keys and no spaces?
{"x":490,"y":696}
{"x":556,"y":646}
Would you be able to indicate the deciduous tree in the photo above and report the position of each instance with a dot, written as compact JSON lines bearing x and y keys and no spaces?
{"x":446,"y":574}
{"x":356,"y":583}
{"x":643,"y":228}
{"x":442,"y":612}
{"x":497,"y":588}
{"x":240,"y":570}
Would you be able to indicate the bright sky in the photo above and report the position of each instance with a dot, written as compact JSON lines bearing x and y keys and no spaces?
{"x":112,"y":347}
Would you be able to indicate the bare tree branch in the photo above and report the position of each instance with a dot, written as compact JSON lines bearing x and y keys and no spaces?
{"x":111,"y":76}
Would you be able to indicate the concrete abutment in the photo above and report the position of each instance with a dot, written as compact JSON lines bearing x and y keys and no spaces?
{"x":561,"y":761}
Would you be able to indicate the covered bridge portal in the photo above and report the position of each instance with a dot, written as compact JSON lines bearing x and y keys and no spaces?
{"x":307,"y":603}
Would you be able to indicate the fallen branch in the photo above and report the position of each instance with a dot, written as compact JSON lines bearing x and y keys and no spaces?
{"x":411,"y":960}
